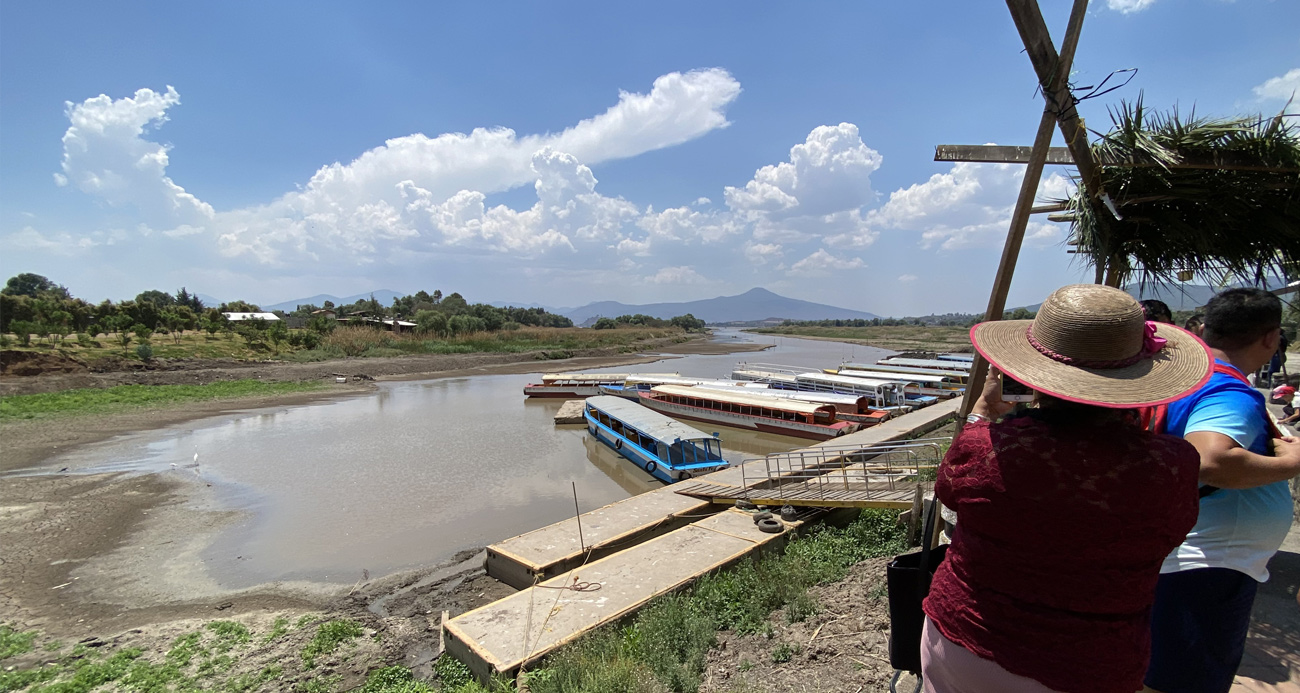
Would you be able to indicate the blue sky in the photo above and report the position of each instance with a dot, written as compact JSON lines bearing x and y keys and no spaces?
{"x":562,"y":154}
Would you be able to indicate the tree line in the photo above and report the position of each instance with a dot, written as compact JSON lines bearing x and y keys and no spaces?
{"x":31,"y":304}
{"x":687,"y":322}
{"x":945,"y":320}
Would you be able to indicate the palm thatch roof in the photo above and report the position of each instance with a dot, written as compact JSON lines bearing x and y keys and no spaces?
{"x":1218,"y":197}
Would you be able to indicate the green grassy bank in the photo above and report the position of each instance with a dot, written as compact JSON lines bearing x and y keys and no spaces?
{"x":128,"y":397}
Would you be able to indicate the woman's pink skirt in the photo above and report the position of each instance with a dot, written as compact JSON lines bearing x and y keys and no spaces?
{"x":950,"y":668}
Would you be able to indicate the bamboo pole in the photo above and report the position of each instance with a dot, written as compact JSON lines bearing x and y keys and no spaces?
{"x":1025,"y":202}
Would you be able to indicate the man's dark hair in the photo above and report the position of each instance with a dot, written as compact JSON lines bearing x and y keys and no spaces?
{"x":1194,"y":322}
{"x":1157,"y":310}
{"x":1238,"y":317}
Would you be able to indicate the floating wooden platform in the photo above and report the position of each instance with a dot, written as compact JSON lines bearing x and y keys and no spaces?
{"x":570,"y":413}
{"x":543,"y":553}
{"x":503,"y":636}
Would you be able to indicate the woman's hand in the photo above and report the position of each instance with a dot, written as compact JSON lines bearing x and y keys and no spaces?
{"x":990,"y":404}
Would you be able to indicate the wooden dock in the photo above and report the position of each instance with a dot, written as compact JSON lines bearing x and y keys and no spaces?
{"x":543,"y":553}
{"x":570,"y":413}
{"x":505,"y":635}
{"x":635,"y":550}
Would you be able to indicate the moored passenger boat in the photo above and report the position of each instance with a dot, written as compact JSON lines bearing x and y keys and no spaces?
{"x":666,"y":449}
{"x":933,"y":364}
{"x":933,"y":382}
{"x":847,"y":407}
{"x":633,"y":385}
{"x":572,"y":385}
{"x":742,"y":410}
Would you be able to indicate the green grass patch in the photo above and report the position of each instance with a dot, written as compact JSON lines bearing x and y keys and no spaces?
{"x":124,"y":397}
{"x":14,"y":642}
{"x":664,"y":646}
{"x":279,"y":628}
{"x":329,"y":636}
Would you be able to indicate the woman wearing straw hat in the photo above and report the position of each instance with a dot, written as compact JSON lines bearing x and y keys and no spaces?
{"x":1065,"y":511}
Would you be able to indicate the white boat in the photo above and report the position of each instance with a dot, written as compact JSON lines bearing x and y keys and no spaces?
{"x":740,"y":410}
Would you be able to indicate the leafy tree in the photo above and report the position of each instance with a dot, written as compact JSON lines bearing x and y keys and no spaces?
{"x":33,"y":285}
{"x":124,"y":338}
{"x":145,"y":352}
{"x":278,"y":334}
{"x":605,"y":324}
{"x":688,"y":322}
{"x":142,"y":332}
{"x":189,"y":300}
{"x":431,"y":322}
{"x":23,"y":329}
{"x":321,"y":325}
{"x":162,"y":299}
{"x":239,"y":307}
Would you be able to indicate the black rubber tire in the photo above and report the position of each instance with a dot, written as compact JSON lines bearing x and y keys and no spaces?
{"x":684,"y":475}
{"x":770,"y":526}
{"x":651,"y":467}
{"x":618,"y":443}
{"x":762,"y":516}
{"x":789,"y":513}
{"x":743,"y":504}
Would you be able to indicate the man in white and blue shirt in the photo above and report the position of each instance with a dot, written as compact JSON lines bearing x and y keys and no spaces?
{"x":1207,"y":585}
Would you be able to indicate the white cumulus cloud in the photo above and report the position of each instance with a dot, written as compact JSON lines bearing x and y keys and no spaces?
{"x":105,"y":154}
{"x":1280,"y":88}
{"x":1129,"y":6}
{"x":968,"y":206}
{"x":677,"y":275}
{"x":905,"y":278}
{"x":822,"y":263}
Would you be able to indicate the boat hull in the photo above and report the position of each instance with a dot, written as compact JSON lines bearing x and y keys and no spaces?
{"x":749,"y":422}
{"x":566,"y":391}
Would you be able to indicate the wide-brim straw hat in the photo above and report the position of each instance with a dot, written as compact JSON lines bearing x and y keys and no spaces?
{"x":1091,"y":344}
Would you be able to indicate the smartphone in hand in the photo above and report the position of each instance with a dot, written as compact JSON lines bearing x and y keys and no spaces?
{"x":1015,"y":391}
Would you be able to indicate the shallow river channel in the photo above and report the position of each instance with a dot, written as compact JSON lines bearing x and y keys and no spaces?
{"x":410,"y":474}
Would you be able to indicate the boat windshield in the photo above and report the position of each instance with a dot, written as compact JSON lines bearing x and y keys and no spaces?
{"x":691,"y":452}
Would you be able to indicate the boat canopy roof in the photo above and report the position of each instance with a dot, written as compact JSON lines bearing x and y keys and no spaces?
{"x":751,"y":373}
{"x":848,"y":380}
{"x":824,"y":397}
{"x":647,"y":421}
{"x":932,"y":378}
{"x":678,"y":380}
{"x":599,"y":377}
{"x":742,"y":398}
{"x":968,"y":358}
{"x":887,"y":368}
{"x":928,"y":363}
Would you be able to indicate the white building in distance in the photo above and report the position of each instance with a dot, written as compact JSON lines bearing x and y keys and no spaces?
{"x":241,"y":317}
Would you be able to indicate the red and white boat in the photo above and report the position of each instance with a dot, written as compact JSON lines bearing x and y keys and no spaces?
{"x":738,"y":410}
{"x":574,"y":385}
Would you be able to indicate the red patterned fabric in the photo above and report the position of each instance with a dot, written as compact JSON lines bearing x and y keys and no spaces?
{"x":1061,"y":531}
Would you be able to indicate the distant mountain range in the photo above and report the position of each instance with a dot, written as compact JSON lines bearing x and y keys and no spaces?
{"x":384,"y":296}
{"x":753,"y":305}
{"x":1178,"y":296}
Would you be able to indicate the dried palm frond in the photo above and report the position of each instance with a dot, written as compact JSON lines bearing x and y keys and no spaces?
{"x":1240,"y":223}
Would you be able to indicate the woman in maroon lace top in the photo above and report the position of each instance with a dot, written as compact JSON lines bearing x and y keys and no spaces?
{"x":1065,"y":512}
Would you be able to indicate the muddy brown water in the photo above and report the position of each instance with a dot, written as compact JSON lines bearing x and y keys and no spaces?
{"x":412,"y":473}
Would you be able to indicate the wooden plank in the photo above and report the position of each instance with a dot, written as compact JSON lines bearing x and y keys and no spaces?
{"x":503,"y":636}
{"x":542,"y":553}
{"x":1000,"y":154}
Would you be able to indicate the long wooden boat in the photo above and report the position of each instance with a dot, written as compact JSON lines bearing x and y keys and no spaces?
{"x":847,"y":407}
{"x":634,"y":385}
{"x":930,"y":383}
{"x":572,"y":385}
{"x":666,"y":449}
{"x":933,"y":364}
{"x":960,"y":377}
{"x":785,"y":417}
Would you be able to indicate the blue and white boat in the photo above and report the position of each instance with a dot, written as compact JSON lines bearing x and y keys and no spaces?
{"x":666,"y":449}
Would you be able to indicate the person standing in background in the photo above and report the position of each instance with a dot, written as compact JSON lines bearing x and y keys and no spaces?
{"x":1207,"y":585}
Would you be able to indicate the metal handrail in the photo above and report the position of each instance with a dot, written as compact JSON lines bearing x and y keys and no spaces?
{"x":866,"y":469}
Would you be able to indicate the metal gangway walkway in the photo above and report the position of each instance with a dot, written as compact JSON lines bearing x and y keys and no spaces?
{"x":877,"y":475}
